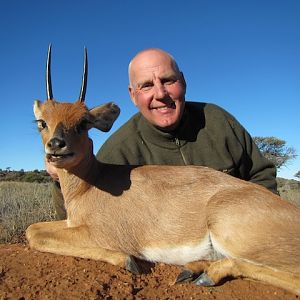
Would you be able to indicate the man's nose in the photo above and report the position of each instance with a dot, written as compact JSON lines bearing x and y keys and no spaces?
{"x":159,"y":90}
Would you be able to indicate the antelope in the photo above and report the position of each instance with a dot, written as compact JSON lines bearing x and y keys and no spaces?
{"x":212,"y":224}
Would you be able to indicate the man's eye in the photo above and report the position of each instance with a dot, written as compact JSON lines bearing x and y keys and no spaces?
{"x":41,"y":124}
{"x":147,"y":86}
{"x":169,"y":81}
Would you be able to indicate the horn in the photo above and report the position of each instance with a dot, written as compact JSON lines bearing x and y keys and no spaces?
{"x":48,"y":75}
{"x":84,"y":77}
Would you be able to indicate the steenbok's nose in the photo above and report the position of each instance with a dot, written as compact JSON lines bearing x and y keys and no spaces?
{"x":56,"y":144}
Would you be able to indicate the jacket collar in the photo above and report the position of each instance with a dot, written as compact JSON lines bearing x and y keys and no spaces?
{"x":187,"y":131}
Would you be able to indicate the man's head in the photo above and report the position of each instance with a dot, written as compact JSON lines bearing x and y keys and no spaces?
{"x":157,"y":88}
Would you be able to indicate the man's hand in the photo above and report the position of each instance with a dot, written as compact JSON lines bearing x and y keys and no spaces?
{"x":52,"y":171}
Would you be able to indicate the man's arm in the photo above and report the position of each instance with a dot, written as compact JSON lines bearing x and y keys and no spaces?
{"x":253,"y":165}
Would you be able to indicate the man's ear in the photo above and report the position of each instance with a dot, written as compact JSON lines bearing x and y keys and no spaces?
{"x":183,"y":81}
{"x":132,"y":94}
{"x":103,"y":117}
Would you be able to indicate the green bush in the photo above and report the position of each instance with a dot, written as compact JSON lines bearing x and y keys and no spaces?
{"x":29,"y":176}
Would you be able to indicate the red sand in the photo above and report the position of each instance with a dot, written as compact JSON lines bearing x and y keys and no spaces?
{"x":28,"y":274}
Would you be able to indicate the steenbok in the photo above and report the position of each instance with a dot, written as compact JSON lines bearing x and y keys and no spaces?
{"x":213,"y":224}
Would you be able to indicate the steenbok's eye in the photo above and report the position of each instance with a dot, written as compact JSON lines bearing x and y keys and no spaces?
{"x":41,"y":124}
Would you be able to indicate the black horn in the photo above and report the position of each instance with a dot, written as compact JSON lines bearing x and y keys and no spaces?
{"x":84,"y":77}
{"x":48,"y":75}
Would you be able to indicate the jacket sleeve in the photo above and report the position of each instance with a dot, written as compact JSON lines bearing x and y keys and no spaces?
{"x":253,"y":166}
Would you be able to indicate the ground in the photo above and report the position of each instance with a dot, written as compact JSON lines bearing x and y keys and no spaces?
{"x":28,"y":274}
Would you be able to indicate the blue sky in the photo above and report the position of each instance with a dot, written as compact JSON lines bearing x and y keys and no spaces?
{"x":241,"y":55}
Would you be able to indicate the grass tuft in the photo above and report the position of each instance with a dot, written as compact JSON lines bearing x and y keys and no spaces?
{"x":21,"y":204}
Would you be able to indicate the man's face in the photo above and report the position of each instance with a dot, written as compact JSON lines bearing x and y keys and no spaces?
{"x":158,"y":89}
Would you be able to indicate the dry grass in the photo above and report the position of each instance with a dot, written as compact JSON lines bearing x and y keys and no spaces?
{"x":21,"y":204}
{"x":289,"y":190}
{"x":292,"y":196}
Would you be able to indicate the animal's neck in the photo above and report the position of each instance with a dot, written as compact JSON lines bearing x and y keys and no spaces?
{"x":79,"y":179}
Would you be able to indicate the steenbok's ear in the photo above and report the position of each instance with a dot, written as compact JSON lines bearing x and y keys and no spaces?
{"x":104,"y":116}
{"x":37,"y":109}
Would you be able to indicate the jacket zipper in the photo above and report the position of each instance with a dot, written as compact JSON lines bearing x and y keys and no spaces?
{"x":177,"y":142}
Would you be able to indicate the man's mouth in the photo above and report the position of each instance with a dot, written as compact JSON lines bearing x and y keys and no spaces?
{"x":165,"y":107}
{"x":161,"y":108}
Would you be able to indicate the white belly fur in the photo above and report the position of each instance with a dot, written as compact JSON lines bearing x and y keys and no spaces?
{"x":180,"y":255}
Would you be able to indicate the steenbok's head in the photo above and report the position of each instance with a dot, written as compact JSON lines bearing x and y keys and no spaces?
{"x":64,"y":126}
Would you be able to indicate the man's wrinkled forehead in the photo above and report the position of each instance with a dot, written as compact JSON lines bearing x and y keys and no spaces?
{"x":151,"y":72}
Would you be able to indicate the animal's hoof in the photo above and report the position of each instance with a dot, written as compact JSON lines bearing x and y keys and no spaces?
{"x":185,"y":276}
{"x":131,"y":265}
{"x":204,"y":280}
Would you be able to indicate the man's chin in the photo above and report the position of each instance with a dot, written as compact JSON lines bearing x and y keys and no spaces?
{"x":167,"y":122}
{"x":166,"y":126}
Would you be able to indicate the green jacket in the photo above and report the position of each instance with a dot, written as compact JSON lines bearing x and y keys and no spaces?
{"x":207,"y":136}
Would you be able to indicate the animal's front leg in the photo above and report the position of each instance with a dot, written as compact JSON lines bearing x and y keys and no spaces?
{"x":56,"y":237}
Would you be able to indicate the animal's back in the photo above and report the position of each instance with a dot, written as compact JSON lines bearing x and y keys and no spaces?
{"x":163,"y":206}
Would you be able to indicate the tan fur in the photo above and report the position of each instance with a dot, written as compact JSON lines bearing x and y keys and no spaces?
{"x":165,"y":213}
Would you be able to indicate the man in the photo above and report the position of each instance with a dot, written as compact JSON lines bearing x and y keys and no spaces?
{"x":170,"y":131}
